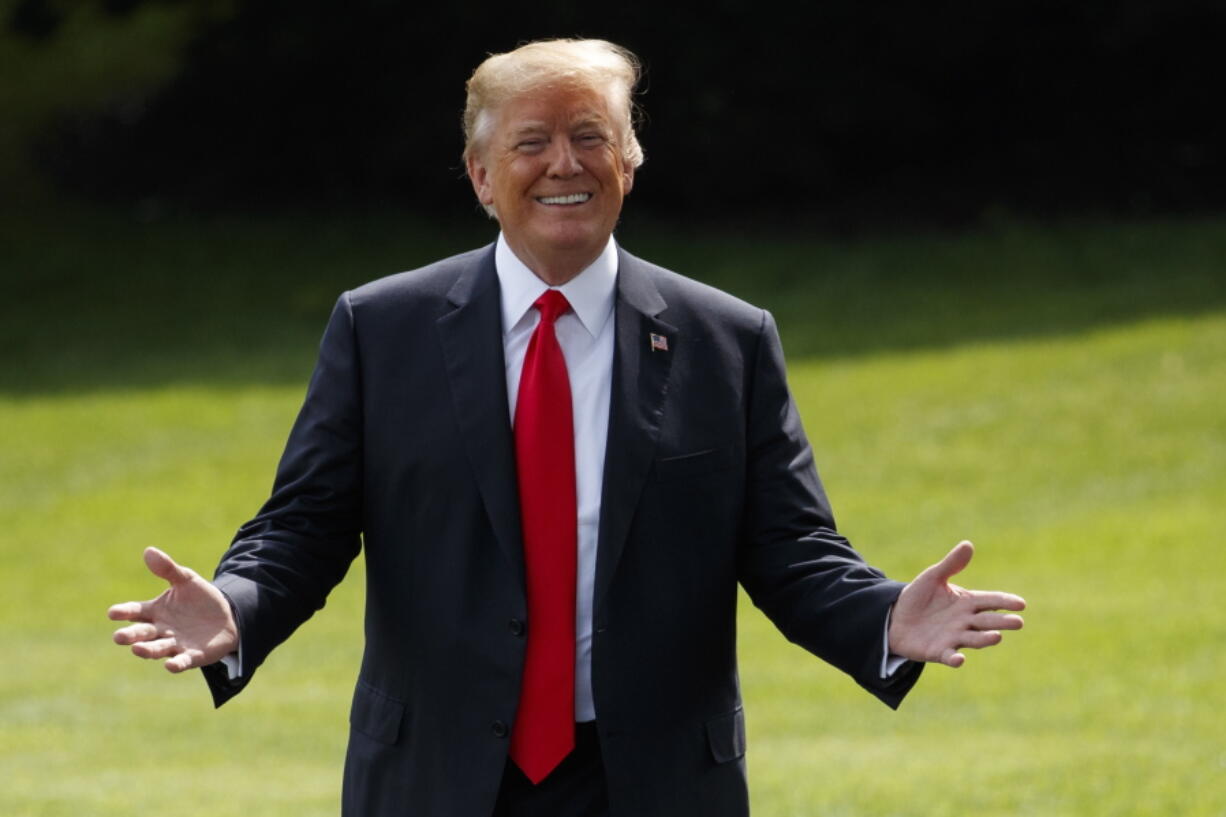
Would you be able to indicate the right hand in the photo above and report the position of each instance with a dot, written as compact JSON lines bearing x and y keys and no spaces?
{"x":934,"y":618}
{"x":190,"y":624}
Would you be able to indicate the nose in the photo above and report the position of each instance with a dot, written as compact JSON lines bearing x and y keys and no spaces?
{"x":563,"y":159}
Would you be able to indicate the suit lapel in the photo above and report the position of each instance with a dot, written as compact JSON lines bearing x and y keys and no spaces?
{"x":640,"y":385}
{"x":471,"y":337}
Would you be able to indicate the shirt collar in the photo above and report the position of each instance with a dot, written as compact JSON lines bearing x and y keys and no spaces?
{"x":590,"y":293}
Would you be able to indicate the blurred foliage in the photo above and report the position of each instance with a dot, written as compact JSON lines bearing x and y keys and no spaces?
{"x":90,"y":60}
{"x":851,"y":112}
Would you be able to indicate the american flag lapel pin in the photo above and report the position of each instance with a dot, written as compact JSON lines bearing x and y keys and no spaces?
{"x":659,"y":343}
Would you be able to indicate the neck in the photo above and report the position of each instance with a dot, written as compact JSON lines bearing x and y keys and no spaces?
{"x":555,"y":267}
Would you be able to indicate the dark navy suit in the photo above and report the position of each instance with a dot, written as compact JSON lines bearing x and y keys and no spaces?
{"x":404,"y":442}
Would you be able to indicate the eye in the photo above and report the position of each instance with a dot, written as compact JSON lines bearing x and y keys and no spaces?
{"x":533,"y":144}
{"x":591,"y":139}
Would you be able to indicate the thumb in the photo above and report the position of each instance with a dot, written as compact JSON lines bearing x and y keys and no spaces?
{"x":164,"y":567}
{"x":954,"y":562}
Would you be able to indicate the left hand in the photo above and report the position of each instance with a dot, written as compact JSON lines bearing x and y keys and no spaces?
{"x":190,"y":624}
{"x":933,"y":619}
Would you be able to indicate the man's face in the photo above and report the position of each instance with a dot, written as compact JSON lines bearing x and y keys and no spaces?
{"x":553,"y":170}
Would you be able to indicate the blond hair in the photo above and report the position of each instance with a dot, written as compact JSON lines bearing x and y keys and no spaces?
{"x":597,"y":65}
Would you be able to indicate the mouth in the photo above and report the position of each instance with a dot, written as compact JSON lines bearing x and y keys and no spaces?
{"x":568,"y":200}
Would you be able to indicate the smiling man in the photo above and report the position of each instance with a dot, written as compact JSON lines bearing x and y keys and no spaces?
{"x":561,"y":460}
{"x":552,"y":166}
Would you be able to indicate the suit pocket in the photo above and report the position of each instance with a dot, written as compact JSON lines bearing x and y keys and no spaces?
{"x":688,"y":465}
{"x":726,"y":736}
{"x":375,"y":715}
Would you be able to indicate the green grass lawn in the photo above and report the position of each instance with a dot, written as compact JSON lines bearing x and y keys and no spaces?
{"x":1055,"y":394}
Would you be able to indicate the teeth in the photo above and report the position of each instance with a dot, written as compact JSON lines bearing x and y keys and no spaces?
{"x":573,"y":198}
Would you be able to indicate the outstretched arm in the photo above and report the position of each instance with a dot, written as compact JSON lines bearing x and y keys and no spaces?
{"x":934,"y":619}
{"x":190,"y":624}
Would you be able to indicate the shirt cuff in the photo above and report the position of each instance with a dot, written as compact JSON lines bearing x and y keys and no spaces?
{"x":890,"y":663}
{"x":234,"y":666}
{"x":234,"y":661}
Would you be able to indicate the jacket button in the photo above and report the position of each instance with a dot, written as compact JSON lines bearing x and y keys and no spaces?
{"x":515,"y":626}
{"x":499,"y":729}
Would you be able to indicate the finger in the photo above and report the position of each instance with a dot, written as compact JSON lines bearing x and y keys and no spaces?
{"x":183,"y":661}
{"x":164,"y":567}
{"x":955,"y":561}
{"x":136,"y":632}
{"x":979,"y":640}
{"x":996,"y":621}
{"x":985,"y":600}
{"x":129,"y":611}
{"x":158,"y":648}
{"x":952,"y":658}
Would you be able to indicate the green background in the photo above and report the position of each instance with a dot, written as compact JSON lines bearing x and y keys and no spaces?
{"x":1053,"y":393}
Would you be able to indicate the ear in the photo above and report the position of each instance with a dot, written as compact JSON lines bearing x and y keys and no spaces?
{"x":479,"y":175}
{"x":627,"y":177}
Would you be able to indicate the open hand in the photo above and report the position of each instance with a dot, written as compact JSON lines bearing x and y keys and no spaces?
{"x":190,"y":624}
{"x":933,"y":619}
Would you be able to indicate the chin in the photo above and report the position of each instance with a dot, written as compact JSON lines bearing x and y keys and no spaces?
{"x":573,"y":236}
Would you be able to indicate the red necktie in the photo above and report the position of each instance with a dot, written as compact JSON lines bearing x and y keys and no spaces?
{"x":544,"y":730}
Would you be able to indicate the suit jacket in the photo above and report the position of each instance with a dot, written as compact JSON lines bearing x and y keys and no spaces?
{"x":404,"y":441}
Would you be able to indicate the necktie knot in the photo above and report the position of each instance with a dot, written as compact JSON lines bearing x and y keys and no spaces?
{"x":552,"y":304}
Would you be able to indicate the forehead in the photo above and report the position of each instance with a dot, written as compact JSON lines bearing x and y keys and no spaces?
{"x":552,"y":106}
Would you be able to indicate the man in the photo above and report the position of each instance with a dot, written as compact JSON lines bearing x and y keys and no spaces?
{"x":561,"y":460}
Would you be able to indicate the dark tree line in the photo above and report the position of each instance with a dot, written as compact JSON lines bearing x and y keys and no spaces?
{"x":861,"y":109}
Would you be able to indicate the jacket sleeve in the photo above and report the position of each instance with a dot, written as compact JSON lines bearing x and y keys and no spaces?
{"x":282,"y":564}
{"x":794,"y":564}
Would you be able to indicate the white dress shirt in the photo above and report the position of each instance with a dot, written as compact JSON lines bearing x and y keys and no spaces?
{"x":585,"y":334}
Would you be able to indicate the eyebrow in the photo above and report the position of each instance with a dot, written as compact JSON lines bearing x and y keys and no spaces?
{"x":589,"y":120}
{"x":529,"y":127}
{"x":538,"y":125}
